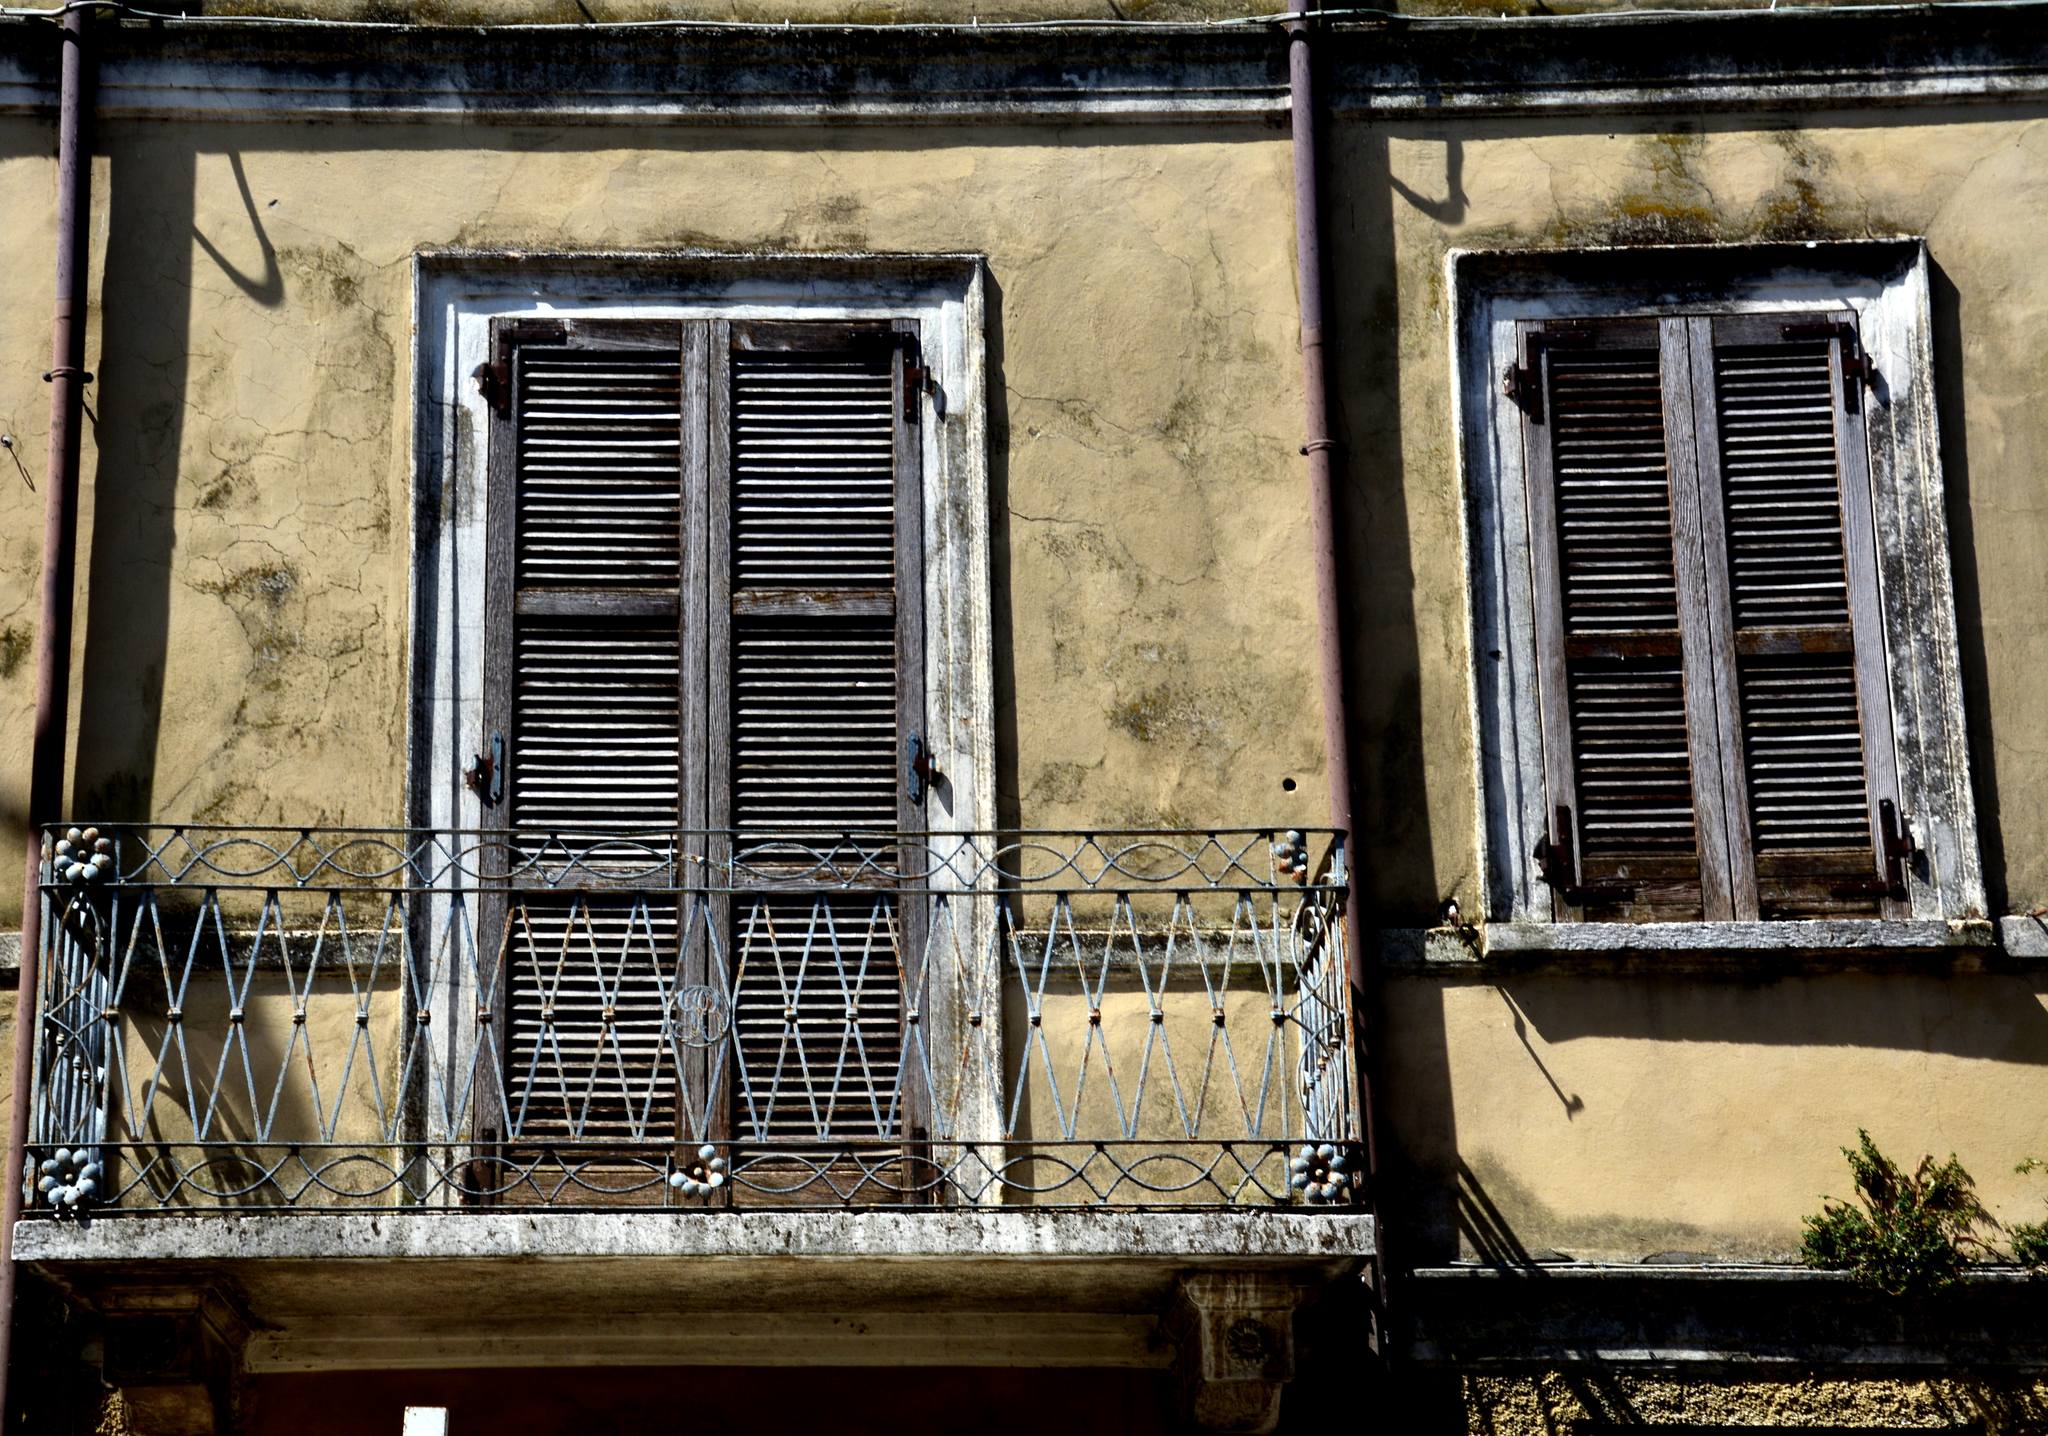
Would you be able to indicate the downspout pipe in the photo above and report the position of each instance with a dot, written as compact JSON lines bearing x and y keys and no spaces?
{"x":67,"y":378}
{"x":1320,"y":450}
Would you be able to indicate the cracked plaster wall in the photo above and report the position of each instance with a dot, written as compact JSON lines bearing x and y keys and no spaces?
{"x":1610,"y":1118}
{"x":243,"y":651}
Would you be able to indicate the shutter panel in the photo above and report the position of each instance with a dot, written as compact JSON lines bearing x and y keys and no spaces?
{"x":822,"y":649}
{"x":588,"y":676}
{"x":1785,"y":466}
{"x":1629,"y":752}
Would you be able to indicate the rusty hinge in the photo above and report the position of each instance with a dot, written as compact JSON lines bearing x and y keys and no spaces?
{"x":1856,"y":366}
{"x":1895,"y":850}
{"x":1558,"y":862}
{"x":494,"y":381}
{"x":494,"y":376}
{"x":917,"y":378}
{"x":1518,"y":382}
{"x":1555,"y":856}
{"x":1523,"y":382}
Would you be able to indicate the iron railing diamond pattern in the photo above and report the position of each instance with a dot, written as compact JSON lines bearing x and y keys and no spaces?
{"x":403,"y":1018}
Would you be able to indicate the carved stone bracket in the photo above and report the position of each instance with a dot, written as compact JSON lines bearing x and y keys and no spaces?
{"x":175,"y":1352}
{"x":1234,"y":1334}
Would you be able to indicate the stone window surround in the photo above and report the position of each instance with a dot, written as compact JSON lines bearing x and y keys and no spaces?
{"x":1886,"y":283}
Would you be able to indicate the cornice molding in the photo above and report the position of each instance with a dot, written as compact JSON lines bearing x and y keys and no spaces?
{"x":1405,"y":70}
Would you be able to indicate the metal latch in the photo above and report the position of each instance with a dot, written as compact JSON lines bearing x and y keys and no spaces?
{"x":485,"y":775}
{"x":1895,"y":835}
{"x":919,"y":771}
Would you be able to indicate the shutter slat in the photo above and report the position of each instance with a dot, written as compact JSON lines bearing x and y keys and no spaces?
{"x":598,"y":439}
{"x":813,"y":470}
{"x":571,"y":1074}
{"x":597,"y":729}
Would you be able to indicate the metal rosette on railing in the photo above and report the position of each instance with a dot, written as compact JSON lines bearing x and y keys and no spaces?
{"x":68,"y":1179}
{"x":1321,"y":1173}
{"x":702,"y":1177}
{"x":1290,"y":857}
{"x":82,"y":856}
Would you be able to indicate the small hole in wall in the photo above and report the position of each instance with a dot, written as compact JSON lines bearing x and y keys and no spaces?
{"x":1287,"y":785}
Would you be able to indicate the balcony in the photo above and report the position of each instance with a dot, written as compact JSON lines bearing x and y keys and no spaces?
{"x":953,"y":1056}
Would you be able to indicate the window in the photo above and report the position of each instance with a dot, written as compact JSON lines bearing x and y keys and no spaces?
{"x":1716,"y":643}
{"x":702,"y":548}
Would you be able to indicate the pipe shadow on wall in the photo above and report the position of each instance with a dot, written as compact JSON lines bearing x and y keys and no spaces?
{"x":1394,"y":859}
{"x":138,"y":421}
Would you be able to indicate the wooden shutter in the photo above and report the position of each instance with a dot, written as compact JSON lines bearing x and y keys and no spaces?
{"x":1785,"y":481}
{"x":593,"y":661}
{"x":1630,"y":763}
{"x":817,"y":587}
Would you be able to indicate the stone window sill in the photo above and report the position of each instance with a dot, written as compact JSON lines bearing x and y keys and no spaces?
{"x":1667,"y":946}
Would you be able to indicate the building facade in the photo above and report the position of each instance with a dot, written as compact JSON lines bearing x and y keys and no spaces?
{"x":697,"y":779}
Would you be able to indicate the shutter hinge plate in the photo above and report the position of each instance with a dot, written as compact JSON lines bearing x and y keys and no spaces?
{"x":1857,"y":368}
{"x":1519,"y":383}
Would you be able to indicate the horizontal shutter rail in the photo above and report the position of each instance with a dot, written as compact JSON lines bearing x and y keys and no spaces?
{"x":595,"y":603}
{"x":1785,"y":640}
{"x":1623,"y":645}
{"x":807,"y":603}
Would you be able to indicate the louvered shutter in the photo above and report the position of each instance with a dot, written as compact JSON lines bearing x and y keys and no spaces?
{"x":593,"y":655}
{"x":817,"y":605}
{"x":1785,"y":472}
{"x":1630,"y":762}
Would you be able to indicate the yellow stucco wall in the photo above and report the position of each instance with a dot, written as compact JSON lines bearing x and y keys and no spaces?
{"x":245,"y":571}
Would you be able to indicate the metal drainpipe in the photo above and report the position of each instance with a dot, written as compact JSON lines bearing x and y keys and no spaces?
{"x":53,"y":635}
{"x":1319,"y":448}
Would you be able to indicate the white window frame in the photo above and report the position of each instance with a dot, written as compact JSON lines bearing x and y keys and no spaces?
{"x":1886,"y":285}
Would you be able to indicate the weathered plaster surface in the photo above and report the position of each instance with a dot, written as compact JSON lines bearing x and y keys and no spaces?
{"x":242,"y":643}
{"x":242,"y":650}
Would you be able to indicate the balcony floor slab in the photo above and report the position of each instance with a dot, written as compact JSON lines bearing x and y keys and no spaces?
{"x":680,"y":1288}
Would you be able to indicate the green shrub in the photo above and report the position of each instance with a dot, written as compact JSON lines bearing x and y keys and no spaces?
{"x":1912,"y":1235}
{"x":2030,"y":1239}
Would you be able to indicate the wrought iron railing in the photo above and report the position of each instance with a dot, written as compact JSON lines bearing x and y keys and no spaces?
{"x":282,"y":1018}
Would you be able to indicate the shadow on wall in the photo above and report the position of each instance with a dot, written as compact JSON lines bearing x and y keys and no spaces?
{"x":1992,"y":1017}
{"x":144,"y":297}
{"x":1394,"y":860}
